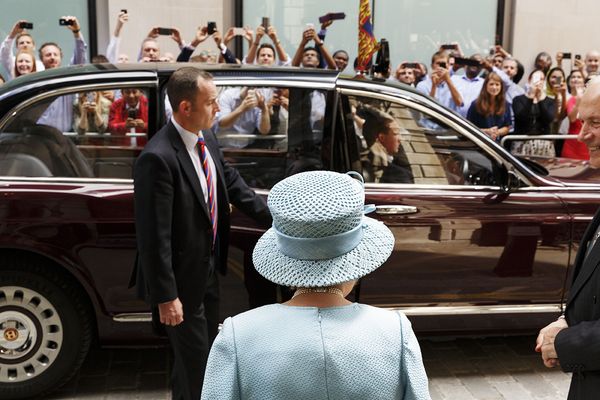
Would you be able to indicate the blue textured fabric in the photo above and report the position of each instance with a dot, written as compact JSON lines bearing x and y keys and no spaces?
{"x":284,"y":352}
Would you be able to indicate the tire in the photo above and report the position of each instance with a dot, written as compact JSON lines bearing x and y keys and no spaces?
{"x":45,"y":330}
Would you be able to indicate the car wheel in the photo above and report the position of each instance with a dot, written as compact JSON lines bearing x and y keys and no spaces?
{"x":45,"y":332}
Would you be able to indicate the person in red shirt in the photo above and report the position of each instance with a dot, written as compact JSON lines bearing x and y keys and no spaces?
{"x":129,"y":114}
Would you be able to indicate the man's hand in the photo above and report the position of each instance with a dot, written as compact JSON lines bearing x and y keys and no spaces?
{"x":171,"y":312}
{"x":176,"y":36}
{"x":248,"y":34}
{"x":260,"y":32}
{"x":229,"y":35}
{"x":250,"y":101}
{"x":545,"y":342}
{"x":260,"y":101}
{"x":16,"y":29}
{"x":153,"y":33}
{"x":218,"y":39}
{"x":75,"y":27}
{"x":201,"y":36}
{"x":308,"y":35}
{"x":122,"y":18}
{"x":272,"y":34}
{"x":326,"y":24}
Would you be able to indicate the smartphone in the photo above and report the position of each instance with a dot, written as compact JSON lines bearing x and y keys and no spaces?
{"x":124,"y":11}
{"x":265,"y":22}
{"x":466,"y":62}
{"x":449,"y":47}
{"x":211,"y":27}
{"x":239,"y":31}
{"x":91,"y":98}
{"x":165,"y":31}
{"x":332,"y":16}
{"x":558,"y":80}
{"x":410,"y":65}
{"x":132,"y":113}
{"x":310,"y":25}
{"x":26,"y":25}
{"x":578,"y":56}
{"x":443,"y":65}
{"x":65,"y":22}
{"x":566,"y":56}
{"x":536,"y":78}
{"x":492,"y":51}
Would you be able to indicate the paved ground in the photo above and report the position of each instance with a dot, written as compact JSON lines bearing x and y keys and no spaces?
{"x":459,"y":369}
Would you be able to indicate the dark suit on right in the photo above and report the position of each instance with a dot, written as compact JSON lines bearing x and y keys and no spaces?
{"x":578,"y":346}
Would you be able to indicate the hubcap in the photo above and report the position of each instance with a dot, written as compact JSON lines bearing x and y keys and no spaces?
{"x":31,"y":334}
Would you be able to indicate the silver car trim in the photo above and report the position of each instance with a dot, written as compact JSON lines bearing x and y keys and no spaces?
{"x":477,"y":310}
{"x":133,"y":317}
{"x":262,"y":82}
{"x":415,"y":311}
{"x":72,"y":89}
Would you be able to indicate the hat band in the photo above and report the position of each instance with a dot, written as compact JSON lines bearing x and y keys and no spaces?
{"x":322,"y":248}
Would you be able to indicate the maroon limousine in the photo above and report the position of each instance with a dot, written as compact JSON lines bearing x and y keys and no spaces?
{"x":484,"y":241}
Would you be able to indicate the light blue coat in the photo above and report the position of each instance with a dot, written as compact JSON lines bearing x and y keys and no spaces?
{"x":284,"y":352}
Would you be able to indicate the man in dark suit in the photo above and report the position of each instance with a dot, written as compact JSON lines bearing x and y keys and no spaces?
{"x":183,"y":188}
{"x":573,"y":341}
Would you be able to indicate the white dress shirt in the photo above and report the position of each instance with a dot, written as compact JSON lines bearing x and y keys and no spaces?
{"x":190,"y":140}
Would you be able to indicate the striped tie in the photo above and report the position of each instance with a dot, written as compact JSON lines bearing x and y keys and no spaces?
{"x":212,"y":204}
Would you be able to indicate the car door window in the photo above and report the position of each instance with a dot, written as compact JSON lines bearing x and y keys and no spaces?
{"x":398,"y":144}
{"x":91,"y":133}
{"x":269,"y":133}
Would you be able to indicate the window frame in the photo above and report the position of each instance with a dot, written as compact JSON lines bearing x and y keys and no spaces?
{"x":148,"y":83}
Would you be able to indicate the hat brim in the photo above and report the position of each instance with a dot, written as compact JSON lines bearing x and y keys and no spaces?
{"x":372,"y":251}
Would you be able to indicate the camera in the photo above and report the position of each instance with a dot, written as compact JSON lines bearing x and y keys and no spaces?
{"x":578,"y":56}
{"x":90,"y":97}
{"x":66,"y":22}
{"x":566,"y":56}
{"x":211,"y":27}
{"x":132,"y":113}
{"x":449,"y":47}
{"x":382,"y":62}
{"x":265,"y":22}
{"x":124,"y":11}
{"x":26,"y":25}
{"x":165,"y":31}
{"x":410,"y":65}
{"x":443,"y":64}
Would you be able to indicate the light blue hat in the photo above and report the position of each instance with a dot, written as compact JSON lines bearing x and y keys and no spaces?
{"x":320,"y":236}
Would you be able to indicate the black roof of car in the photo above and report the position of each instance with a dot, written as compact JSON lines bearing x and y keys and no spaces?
{"x":161,"y":69}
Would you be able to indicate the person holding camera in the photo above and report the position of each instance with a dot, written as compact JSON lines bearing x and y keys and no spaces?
{"x":112,"y":50}
{"x":23,"y":41}
{"x":90,"y":113}
{"x":405,"y":73}
{"x":438,"y":84}
{"x":245,"y":111}
{"x":574,"y":148}
{"x":468,"y":85}
{"x":59,"y":113}
{"x":534,"y":113}
{"x":129,"y":114}
{"x":309,"y":57}
{"x":254,"y":52}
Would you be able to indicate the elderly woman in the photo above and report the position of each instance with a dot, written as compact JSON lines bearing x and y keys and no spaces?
{"x":318,"y":345}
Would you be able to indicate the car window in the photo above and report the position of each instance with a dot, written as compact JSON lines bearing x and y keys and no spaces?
{"x":269,"y":133}
{"x":398,"y":144}
{"x":83,"y":134}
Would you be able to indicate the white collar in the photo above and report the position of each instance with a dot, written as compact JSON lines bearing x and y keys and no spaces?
{"x":190,"y":139}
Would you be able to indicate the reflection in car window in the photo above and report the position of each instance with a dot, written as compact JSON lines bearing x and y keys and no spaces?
{"x":99,"y":134}
{"x":403,"y":145}
{"x":269,"y":133}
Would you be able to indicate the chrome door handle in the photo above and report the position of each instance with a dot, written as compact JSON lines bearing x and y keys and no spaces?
{"x":395,"y":210}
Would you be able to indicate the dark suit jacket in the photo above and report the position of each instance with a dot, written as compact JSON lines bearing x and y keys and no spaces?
{"x":578,"y":347}
{"x":173,"y":227}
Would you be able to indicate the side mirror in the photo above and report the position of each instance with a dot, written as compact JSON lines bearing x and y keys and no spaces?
{"x":509,"y":180}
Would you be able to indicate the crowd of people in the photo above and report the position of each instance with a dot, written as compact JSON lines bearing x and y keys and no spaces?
{"x":487,"y":90}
